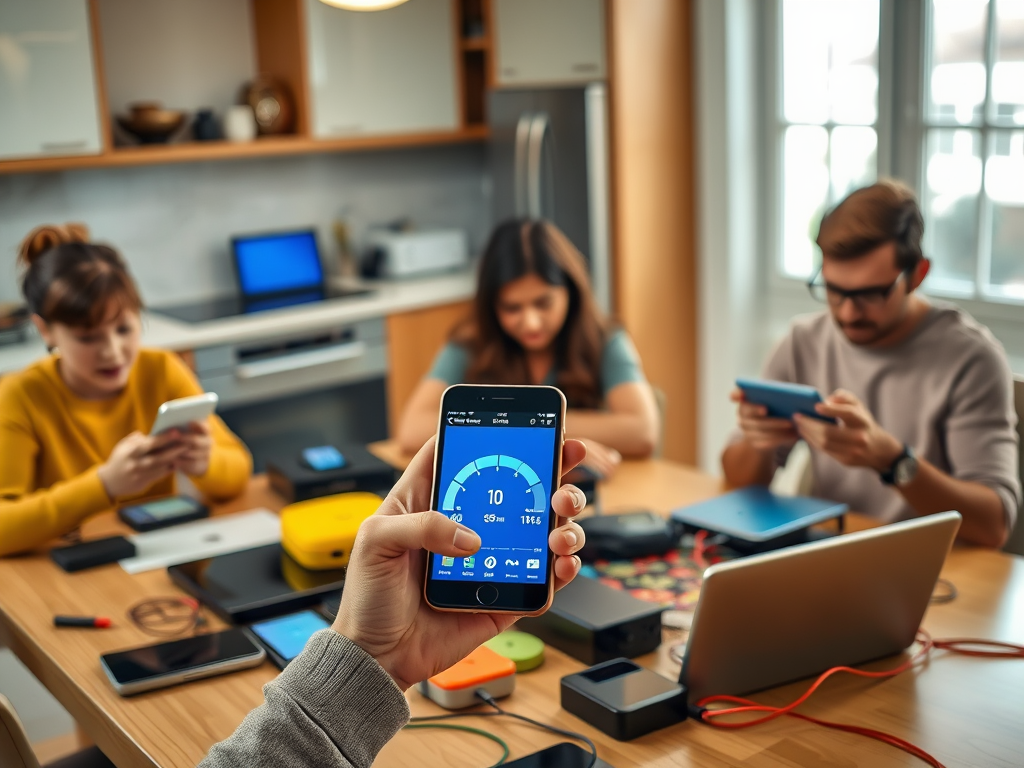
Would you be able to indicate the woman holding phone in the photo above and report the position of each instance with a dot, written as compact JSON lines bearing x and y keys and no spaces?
{"x":535,"y":321}
{"x":73,"y":426}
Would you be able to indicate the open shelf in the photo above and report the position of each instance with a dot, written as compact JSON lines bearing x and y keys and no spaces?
{"x":207,"y":151}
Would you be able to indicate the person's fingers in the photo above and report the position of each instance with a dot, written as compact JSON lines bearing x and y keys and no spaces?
{"x":752,"y":411}
{"x":573,"y":453}
{"x":387,"y":536}
{"x":566,"y":569}
{"x":843,"y":396}
{"x":199,"y":428}
{"x":851,"y":415}
{"x":736,"y":395}
{"x":567,"y":539}
{"x":568,"y":501}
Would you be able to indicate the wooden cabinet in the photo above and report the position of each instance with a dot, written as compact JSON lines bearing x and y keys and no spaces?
{"x":414,"y":339}
{"x":548,"y":42}
{"x":390,"y":71}
{"x":47,"y":84}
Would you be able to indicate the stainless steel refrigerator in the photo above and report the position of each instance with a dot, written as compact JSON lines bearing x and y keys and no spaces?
{"x":548,"y":156}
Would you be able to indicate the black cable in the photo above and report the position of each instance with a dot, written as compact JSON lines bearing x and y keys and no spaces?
{"x":488,"y":699}
{"x":941,"y":598}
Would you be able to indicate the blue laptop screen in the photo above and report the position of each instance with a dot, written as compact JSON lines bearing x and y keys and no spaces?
{"x":277,"y":263}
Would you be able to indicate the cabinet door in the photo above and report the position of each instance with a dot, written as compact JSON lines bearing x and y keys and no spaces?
{"x":47,"y":85}
{"x":382,"y":72}
{"x":549,"y":42}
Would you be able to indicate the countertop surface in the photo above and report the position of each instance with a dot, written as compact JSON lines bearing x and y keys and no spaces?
{"x":387,"y":297}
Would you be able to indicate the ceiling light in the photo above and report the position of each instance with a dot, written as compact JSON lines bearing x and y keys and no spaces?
{"x":363,"y":5}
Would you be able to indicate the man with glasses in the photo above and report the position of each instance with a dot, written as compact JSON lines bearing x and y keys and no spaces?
{"x":923,"y":394}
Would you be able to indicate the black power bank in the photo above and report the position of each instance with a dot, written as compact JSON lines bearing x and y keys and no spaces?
{"x":89,"y":554}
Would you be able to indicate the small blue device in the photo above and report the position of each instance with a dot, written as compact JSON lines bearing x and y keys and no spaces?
{"x":277,"y":263}
{"x":323,"y":458}
{"x":286,"y":636}
{"x":782,"y":399}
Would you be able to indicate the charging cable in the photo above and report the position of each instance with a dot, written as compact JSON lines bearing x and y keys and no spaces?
{"x":966,"y":646}
{"x":484,"y":696}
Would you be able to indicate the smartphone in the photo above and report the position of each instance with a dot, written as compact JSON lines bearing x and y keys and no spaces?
{"x":497,"y":460}
{"x":561,"y":755}
{"x":183,"y":411}
{"x":179,"y":661}
{"x":89,"y":554}
{"x":322,"y":458}
{"x":284,"y":637}
{"x":782,"y":399}
{"x":161,"y":513}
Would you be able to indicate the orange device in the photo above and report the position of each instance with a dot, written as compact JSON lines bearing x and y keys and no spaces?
{"x":456,"y":687}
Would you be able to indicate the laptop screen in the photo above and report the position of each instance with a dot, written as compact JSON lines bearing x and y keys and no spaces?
{"x":281,"y":262}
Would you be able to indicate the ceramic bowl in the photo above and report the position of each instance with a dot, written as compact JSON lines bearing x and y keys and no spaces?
{"x":150,"y":123}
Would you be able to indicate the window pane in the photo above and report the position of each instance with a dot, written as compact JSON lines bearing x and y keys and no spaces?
{"x":805,"y":193}
{"x":952,"y":185}
{"x":852,"y":159}
{"x":830,"y":61}
{"x":1004,"y":185}
{"x":957,"y":90}
{"x":1008,"y":72}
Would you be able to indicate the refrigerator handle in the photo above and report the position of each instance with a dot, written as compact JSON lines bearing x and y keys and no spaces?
{"x":538,"y":173}
{"x":521,"y":163}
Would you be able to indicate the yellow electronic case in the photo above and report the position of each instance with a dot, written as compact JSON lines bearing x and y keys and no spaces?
{"x":319,"y":533}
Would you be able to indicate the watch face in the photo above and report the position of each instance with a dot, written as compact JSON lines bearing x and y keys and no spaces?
{"x":906,"y":470}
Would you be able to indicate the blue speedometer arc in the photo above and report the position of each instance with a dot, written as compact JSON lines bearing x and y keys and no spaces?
{"x":497,"y":462}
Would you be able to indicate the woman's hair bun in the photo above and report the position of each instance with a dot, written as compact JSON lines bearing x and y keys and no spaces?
{"x":41,"y":239}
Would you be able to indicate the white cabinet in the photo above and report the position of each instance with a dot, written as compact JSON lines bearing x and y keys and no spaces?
{"x":382,"y":72}
{"x":548,"y":42}
{"x":47,"y":87}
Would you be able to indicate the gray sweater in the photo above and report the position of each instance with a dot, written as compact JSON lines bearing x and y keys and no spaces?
{"x":946,"y":390}
{"x":332,"y":707}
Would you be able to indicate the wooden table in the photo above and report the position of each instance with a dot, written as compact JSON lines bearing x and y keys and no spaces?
{"x":965,"y":711}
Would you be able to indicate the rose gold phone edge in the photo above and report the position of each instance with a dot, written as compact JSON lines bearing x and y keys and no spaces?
{"x":560,"y":448}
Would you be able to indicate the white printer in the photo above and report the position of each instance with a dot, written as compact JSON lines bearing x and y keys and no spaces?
{"x":410,"y":254}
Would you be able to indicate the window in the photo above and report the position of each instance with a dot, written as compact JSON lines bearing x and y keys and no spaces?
{"x":956,"y":69}
{"x":973,"y":189}
{"x":828,"y":115}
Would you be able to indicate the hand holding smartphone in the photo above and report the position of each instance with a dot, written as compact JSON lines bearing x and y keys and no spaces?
{"x":497,"y":462}
{"x":782,"y":399}
{"x":183,"y":411}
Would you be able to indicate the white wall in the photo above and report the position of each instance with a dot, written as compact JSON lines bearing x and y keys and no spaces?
{"x":173,"y":223}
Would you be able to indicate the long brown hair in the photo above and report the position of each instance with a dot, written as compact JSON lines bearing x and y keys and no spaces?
{"x":518,"y":248}
{"x":71,"y":281}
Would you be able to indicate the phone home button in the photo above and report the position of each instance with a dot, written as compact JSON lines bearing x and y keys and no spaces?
{"x":486,"y":594}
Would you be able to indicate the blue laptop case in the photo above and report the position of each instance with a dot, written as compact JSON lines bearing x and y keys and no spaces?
{"x":756,"y":514}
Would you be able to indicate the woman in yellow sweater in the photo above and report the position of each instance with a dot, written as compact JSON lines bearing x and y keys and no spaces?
{"x":73,"y":427}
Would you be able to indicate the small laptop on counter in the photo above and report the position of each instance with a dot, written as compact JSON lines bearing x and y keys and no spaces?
{"x":770,"y":619}
{"x":273,"y":270}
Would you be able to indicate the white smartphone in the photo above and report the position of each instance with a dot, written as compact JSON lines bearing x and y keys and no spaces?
{"x":158,"y":666}
{"x":184,"y":410}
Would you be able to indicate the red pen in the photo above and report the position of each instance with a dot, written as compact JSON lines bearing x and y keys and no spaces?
{"x":99,"y":622}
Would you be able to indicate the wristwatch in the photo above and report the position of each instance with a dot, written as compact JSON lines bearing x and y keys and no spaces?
{"x":903,"y":470}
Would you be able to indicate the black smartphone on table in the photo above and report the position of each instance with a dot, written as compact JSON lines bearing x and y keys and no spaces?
{"x":162,"y":513}
{"x":178,"y":661}
{"x":284,"y":637}
{"x":497,"y":461}
{"x":562,"y":755}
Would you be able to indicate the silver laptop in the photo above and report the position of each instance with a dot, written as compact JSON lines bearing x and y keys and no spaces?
{"x":769,"y":619}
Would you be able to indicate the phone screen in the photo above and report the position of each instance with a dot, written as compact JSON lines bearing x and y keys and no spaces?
{"x":323,"y":457}
{"x":151,"y":661}
{"x":164,"y":509}
{"x":496,"y":477}
{"x":288,"y":635}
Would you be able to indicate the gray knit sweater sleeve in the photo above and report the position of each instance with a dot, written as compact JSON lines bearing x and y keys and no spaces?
{"x":333,"y":706}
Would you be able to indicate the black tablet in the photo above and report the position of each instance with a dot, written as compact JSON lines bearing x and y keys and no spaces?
{"x":254,"y":584}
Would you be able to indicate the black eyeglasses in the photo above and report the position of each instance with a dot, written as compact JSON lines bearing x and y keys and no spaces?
{"x":868,"y":297}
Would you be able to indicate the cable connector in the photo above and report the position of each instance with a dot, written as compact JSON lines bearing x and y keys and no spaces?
{"x":482,"y":694}
{"x":695,"y":712}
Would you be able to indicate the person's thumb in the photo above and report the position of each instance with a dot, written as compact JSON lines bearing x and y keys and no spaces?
{"x":393,"y":535}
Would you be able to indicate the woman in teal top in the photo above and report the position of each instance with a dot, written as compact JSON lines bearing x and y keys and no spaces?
{"x":534,"y":321}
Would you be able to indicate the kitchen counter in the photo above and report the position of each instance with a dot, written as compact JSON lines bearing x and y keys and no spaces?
{"x":388,"y":297}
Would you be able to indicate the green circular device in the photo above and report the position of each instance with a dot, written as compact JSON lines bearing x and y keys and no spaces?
{"x":525,"y":650}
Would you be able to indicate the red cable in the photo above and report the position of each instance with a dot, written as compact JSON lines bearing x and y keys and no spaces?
{"x":964,"y":646}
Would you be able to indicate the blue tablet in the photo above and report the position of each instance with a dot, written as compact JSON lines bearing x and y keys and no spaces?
{"x":756,"y":514}
{"x":782,"y":399}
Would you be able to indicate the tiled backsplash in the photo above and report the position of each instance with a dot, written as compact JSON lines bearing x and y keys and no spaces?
{"x":173,"y":222}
